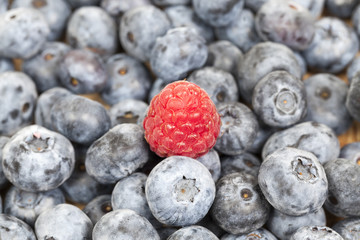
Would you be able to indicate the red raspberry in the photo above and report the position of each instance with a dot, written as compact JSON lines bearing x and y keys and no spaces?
{"x":181,"y":120}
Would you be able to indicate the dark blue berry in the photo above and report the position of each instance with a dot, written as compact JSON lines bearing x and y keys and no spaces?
{"x":124,"y":224}
{"x":313,"y":137}
{"x":344,"y":180}
{"x":326,"y":96}
{"x":13,"y":228}
{"x":43,"y":68}
{"x":37,"y":159}
{"x":128,"y":111}
{"x":180,"y":191}
{"x":315,"y":232}
{"x":82,"y":71}
{"x":238,"y":130}
{"x":98,"y":207}
{"x":23,"y":32}
{"x":181,"y":50}
{"x":27,"y":206}
{"x":64,"y":221}
{"x":137,"y":34}
{"x":80,"y":119}
{"x":93,"y":28}
{"x":56,"y":14}
{"x":193,"y":232}
{"x":218,"y":13}
{"x":17,"y":102}
{"x":218,"y":84}
{"x":293,"y":181}
{"x":127,"y":78}
{"x":184,"y":16}
{"x":239,"y":206}
{"x":122,"y":150}
{"x":279,"y":99}
{"x":241,"y":31}
{"x":331,"y":33}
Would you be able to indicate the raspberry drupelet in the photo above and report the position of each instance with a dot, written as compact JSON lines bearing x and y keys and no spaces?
{"x":182,"y":120}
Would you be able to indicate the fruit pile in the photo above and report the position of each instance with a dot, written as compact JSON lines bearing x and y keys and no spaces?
{"x":179,"y":119}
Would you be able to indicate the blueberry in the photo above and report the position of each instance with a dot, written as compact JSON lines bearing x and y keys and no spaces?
{"x":127,"y":111}
{"x":117,"y":8}
{"x":285,"y":22}
{"x":241,"y":31}
{"x":80,"y":119}
{"x":137,"y":34}
{"x":283,"y":226}
{"x":355,"y":19}
{"x":92,"y":27}
{"x":122,"y":150}
{"x":238,"y":130}
{"x":171,"y":2}
{"x":315,"y":7}
{"x":315,"y":233}
{"x":261,"y":137}
{"x":219,"y":84}
{"x":64,"y":221}
{"x":165,"y":232}
{"x":43,"y":68}
{"x":184,"y":16}
{"x":17,"y":102}
{"x":56,"y":14}
{"x":262,"y":59}
{"x":179,"y":191}
{"x":124,"y":224}
{"x":27,"y":206}
{"x":331,"y":33}
{"x":3,"y":180}
{"x":352,"y":99}
{"x":23,"y":31}
{"x":128,"y":78}
{"x":293,"y":181}
{"x":82,"y":71}
{"x":193,"y":232}
{"x":354,"y":67}
{"x":341,"y":9}
{"x":156,"y":87}
{"x":81,"y":3}
{"x":98,"y":207}
{"x":180,"y":50}
{"x":82,"y":188}
{"x":37,"y":159}
{"x":348,"y":228}
{"x":239,"y":206}
{"x":218,"y":13}
{"x":344,"y":180}
{"x":351,"y":151}
{"x":313,"y":137}
{"x":244,"y":162}
{"x":279,"y":99}
{"x":326,"y":96}
{"x":259,"y":234}
{"x":211,"y":161}
{"x":44,"y":104}
{"x":129,"y":193}
{"x":254,"y":5}
{"x":225,"y":56}
{"x":208,"y":223}
{"x":13,"y":228}
{"x":6,"y":64}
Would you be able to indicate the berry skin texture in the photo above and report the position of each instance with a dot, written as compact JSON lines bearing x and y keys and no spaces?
{"x":181,"y":120}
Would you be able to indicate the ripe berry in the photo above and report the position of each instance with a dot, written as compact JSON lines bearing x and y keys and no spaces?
{"x":181,"y":120}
